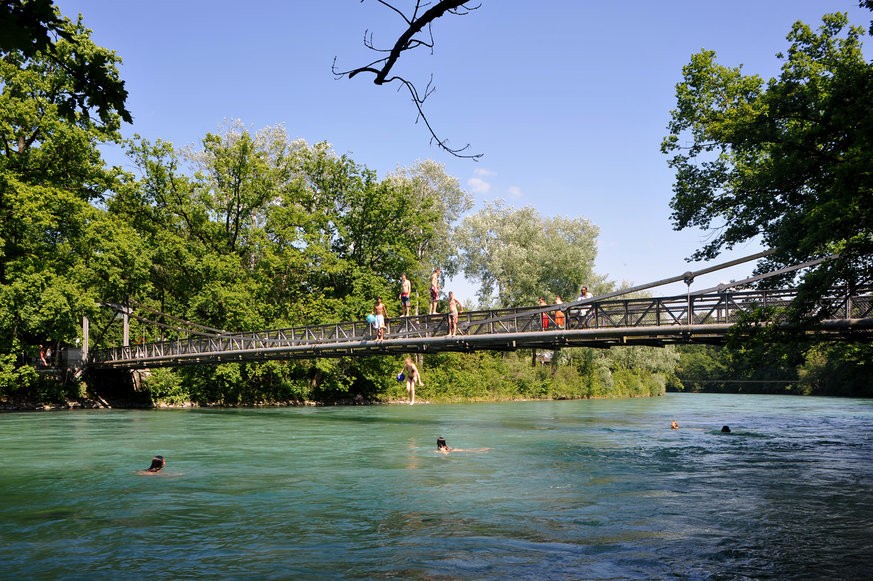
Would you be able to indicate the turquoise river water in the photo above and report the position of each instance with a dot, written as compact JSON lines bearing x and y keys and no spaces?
{"x":568,"y":490}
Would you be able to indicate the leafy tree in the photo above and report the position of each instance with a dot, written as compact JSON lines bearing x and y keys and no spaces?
{"x":868,"y":4}
{"x":60,"y":255}
{"x":700,"y":367}
{"x":433,"y":191}
{"x":251,"y":230}
{"x":787,"y":160}
{"x":837,"y":369}
{"x":302,"y":234}
{"x":754,"y":367}
{"x":518,"y":255}
{"x":26,"y":25}
{"x":35,"y":28}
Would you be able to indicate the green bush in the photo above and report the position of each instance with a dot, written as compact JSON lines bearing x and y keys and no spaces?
{"x":166,"y":386}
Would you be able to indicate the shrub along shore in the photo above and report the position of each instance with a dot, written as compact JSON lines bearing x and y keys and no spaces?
{"x":446,"y":378}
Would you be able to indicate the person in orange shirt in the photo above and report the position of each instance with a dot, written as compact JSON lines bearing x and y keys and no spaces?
{"x":545,"y":316}
{"x":559,"y":315}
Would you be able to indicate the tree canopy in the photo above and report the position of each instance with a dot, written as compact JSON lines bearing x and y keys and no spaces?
{"x":787,"y":161}
{"x":517,"y":255}
{"x":60,"y":255}
{"x":35,"y":29}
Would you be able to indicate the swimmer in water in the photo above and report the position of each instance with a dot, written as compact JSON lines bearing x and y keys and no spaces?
{"x":674,"y":425}
{"x":158,"y":464}
{"x":725,"y":430}
{"x":443,"y":448}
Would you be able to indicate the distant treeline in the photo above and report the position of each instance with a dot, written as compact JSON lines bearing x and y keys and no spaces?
{"x":838,"y":369}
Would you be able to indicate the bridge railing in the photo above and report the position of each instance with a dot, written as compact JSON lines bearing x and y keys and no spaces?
{"x":719,"y":308}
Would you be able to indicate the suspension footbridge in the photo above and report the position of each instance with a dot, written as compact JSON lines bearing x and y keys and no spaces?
{"x":701,"y":317}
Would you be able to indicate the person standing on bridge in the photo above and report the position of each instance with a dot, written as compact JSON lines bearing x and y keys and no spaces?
{"x":381,"y":313}
{"x":455,"y":306}
{"x":582,"y":314}
{"x":559,"y":314}
{"x":545,"y":315}
{"x":405,"y":289}
{"x":434,"y":290}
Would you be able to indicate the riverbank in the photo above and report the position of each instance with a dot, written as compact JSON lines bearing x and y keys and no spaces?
{"x":83,"y":404}
{"x":100,"y":403}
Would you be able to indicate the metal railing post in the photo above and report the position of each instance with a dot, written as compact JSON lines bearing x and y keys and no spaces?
{"x":689,"y":278}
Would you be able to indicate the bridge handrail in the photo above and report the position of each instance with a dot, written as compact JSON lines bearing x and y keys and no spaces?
{"x":718,"y":308}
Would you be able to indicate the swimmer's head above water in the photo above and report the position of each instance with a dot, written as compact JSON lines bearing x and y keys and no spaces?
{"x":441,"y":445}
{"x":158,"y":463}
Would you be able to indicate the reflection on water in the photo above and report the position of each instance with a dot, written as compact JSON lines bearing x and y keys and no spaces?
{"x":587,"y":489}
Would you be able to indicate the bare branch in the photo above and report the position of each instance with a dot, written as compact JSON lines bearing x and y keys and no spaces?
{"x":415,"y":27}
{"x":397,"y":10}
{"x":418,"y":102}
{"x":381,"y":68}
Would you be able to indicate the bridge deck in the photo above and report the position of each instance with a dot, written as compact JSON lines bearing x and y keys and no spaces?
{"x":703,"y":318}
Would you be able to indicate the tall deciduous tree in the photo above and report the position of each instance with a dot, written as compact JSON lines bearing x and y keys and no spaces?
{"x":788,"y":161}
{"x":517,"y":255}
{"x":292,"y":233}
{"x":252,"y":230}
{"x":35,"y":27}
{"x":58,"y":253}
{"x":433,"y":192}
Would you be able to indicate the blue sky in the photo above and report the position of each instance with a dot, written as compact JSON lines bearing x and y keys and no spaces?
{"x":568,"y":100}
